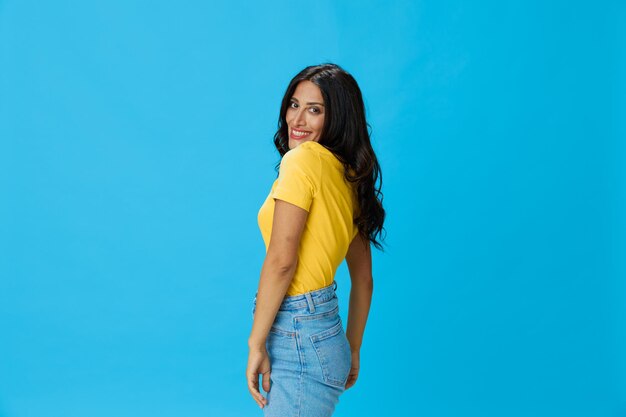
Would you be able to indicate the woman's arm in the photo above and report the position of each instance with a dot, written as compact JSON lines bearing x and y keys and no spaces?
{"x":359,"y":260}
{"x":277,"y":272}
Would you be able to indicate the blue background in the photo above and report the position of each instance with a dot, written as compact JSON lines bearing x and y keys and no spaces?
{"x":136,"y":149}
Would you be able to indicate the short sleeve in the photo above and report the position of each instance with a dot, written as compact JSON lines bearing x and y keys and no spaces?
{"x":298,"y":177}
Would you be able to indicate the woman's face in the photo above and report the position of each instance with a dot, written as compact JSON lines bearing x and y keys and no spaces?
{"x":305,"y":114}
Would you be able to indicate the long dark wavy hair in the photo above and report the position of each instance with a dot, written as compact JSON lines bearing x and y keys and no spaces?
{"x":346,"y":134}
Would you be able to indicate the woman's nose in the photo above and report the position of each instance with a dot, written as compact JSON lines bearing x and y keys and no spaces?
{"x":299,"y":119}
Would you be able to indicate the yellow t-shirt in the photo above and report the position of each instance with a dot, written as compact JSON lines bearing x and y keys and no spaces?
{"x":311,"y":177}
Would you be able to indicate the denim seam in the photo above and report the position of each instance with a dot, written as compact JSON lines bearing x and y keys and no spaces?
{"x":303,"y":304}
{"x":321,"y":295}
{"x":281,"y":332}
{"x":317,"y":337}
{"x":317,"y":316}
{"x":302,"y":368}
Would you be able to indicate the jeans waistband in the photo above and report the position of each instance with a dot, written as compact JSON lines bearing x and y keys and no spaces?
{"x":310,"y":299}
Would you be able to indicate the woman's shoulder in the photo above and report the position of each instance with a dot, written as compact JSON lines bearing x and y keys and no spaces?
{"x":303,"y":154}
{"x":325,"y":155}
{"x":312,"y":146}
{"x":301,"y":160}
{"x":309,"y":147}
{"x":315,"y":160}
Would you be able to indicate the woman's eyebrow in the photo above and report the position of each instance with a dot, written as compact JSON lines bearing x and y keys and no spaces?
{"x":310,"y":102}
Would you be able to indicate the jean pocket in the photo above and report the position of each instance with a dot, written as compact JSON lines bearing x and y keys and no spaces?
{"x":283,"y":333}
{"x":334,"y":354}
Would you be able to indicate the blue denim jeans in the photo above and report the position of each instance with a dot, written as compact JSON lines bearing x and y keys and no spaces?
{"x":309,"y":354}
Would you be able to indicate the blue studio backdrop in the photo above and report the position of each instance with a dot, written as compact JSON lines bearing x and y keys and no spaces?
{"x":136,"y":149}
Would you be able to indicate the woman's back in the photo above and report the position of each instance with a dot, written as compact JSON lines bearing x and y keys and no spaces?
{"x":312,"y":178}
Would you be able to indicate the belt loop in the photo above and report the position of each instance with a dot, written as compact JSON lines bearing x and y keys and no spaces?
{"x":309,"y":301}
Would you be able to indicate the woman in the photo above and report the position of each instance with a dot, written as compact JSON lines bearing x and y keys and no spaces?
{"x":322,"y":208}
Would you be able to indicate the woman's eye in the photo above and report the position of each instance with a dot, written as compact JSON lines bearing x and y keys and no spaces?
{"x":314,"y":110}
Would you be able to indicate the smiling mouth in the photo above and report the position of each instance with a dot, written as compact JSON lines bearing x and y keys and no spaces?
{"x":298,"y":134}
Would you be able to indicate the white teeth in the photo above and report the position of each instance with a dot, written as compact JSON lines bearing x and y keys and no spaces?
{"x":296,"y":133}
